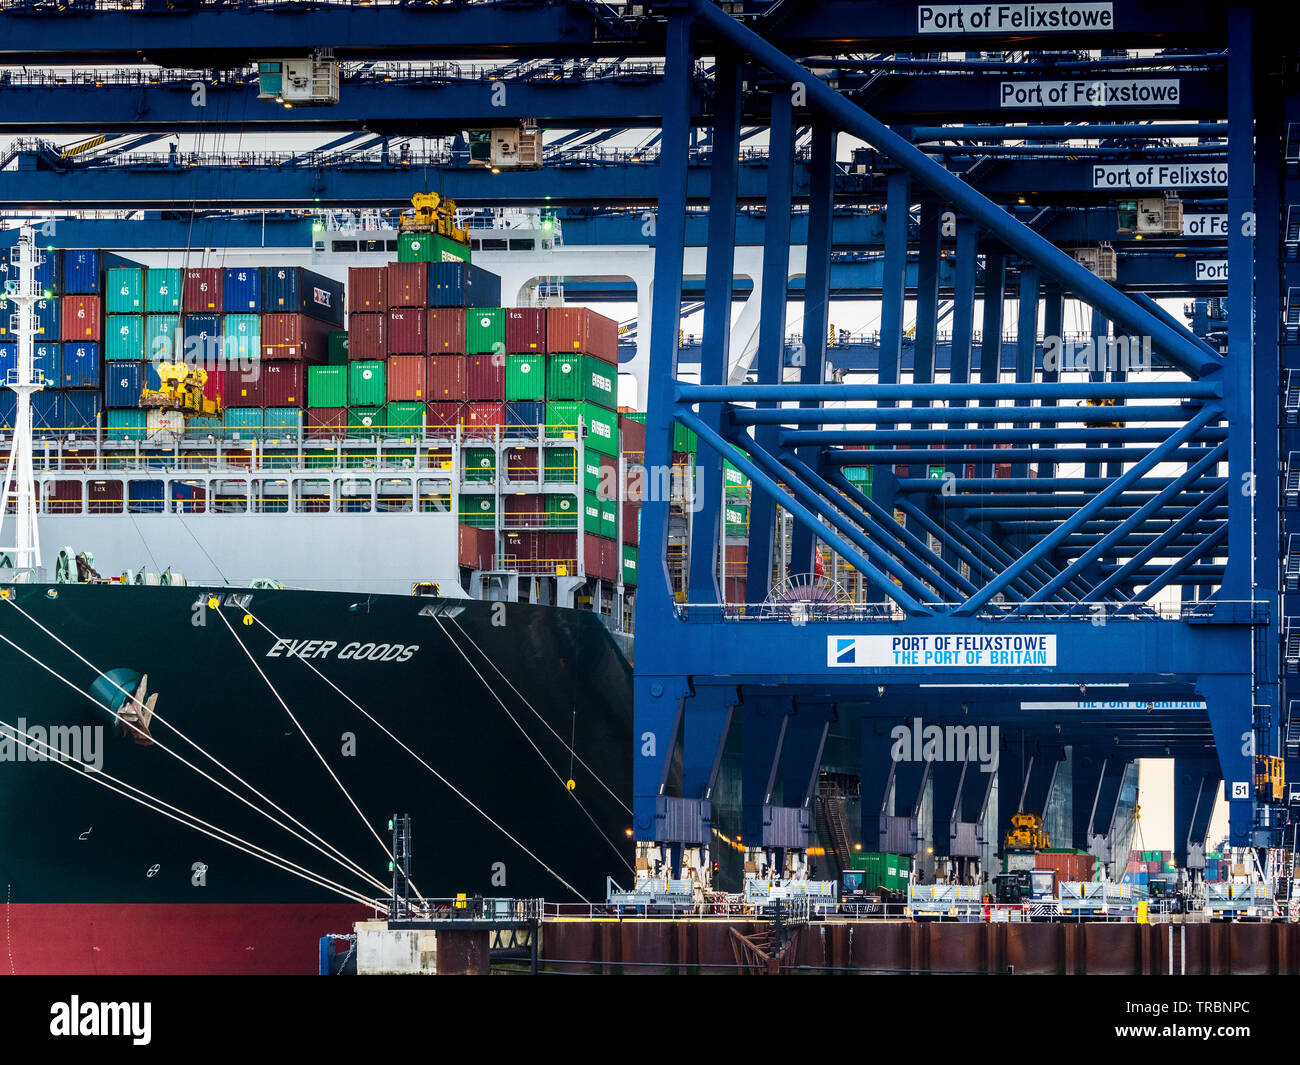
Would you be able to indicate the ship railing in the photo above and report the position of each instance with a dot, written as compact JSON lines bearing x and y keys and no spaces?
{"x":1120,"y":610}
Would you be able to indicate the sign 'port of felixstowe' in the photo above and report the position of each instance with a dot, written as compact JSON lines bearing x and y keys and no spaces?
{"x":935,"y":651}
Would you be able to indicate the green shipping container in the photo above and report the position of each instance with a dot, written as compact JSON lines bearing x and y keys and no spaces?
{"x":366,"y":384}
{"x":629,"y":564}
{"x":608,"y":519}
{"x":581,"y":377}
{"x":480,"y":464}
{"x":736,"y":483}
{"x":242,"y":336}
{"x":936,"y":473}
{"x":525,"y":377}
{"x":282,"y":422}
{"x":684,"y":440}
{"x":429,"y":248}
{"x":602,"y":425}
{"x":327,"y":386}
{"x":337,"y":351}
{"x":160,"y":339}
{"x":560,"y":466}
{"x":162,"y":290}
{"x":124,"y":291}
{"x":591,"y":473}
{"x":124,"y":337}
{"x":479,"y":511}
{"x":366,"y":421}
{"x":591,"y":514}
{"x":406,"y":419}
{"x":561,"y":512}
{"x":737,"y":519}
{"x":889,"y":871}
{"x":125,"y":424}
{"x":485,"y":330}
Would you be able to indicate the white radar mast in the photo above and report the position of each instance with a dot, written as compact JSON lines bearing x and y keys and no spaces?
{"x":24,"y":379}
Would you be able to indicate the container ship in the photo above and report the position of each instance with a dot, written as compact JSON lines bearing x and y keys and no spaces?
{"x":224,"y":644}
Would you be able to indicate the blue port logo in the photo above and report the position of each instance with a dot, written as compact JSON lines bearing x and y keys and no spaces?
{"x":846,"y":650}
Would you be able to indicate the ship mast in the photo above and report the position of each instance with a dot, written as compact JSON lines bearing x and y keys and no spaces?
{"x":20,"y":481}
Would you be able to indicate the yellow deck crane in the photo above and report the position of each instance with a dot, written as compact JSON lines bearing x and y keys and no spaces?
{"x":432,"y":213}
{"x":180,"y":388}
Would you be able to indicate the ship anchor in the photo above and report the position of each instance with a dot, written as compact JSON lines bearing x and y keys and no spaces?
{"x":135,"y":714}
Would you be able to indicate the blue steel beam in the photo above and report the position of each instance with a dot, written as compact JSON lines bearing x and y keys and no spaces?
{"x":707,"y":529}
{"x":769,"y":362}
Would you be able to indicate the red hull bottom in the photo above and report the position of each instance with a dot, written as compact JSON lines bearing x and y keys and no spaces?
{"x":238,"y":938}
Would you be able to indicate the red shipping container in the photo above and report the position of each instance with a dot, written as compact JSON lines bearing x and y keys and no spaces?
{"x":526,"y":331}
{"x":601,"y":557}
{"x":405,"y":332}
{"x":283,"y":382}
{"x":80,"y":318}
{"x":633,"y":434}
{"x":521,"y":464}
{"x":523,"y":550}
{"x":367,"y":336}
{"x":607,"y":487}
{"x":579,"y":331}
{"x":445,"y":379}
{"x":562,"y":547}
{"x":294,"y":336}
{"x":408,"y":285}
{"x":367,"y":289}
{"x":214,"y":386}
{"x":476,"y":547}
{"x":243,"y":388}
{"x":483,"y":419}
{"x":1069,"y":867}
{"x":406,"y":378}
{"x":523,"y":510}
{"x":630,"y":530}
{"x":485,"y":378}
{"x":327,"y":423}
{"x":443,"y":415}
{"x":734,"y":589}
{"x":201,"y":293}
{"x":444,"y":331}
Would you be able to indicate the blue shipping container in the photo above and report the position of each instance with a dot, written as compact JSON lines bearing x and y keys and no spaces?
{"x":463,"y":285}
{"x":243,"y":423}
{"x":124,"y":381}
{"x":281,"y":421}
{"x":47,"y":412}
{"x":46,"y":313}
{"x":45,"y":318}
{"x":47,"y":272}
{"x":82,"y":410}
{"x":8,"y":408}
{"x":48,"y":359}
{"x":241,"y":290}
{"x":45,"y":359}
{"x":80,"y":365}
{"x":203,"y":340}
{"x":523,"y":417}
{"x":81,"y":270}
{"x":297,"y":290}
{"x":125,"y":424}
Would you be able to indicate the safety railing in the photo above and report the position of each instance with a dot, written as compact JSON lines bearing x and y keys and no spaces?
{"x":799,"y":613}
